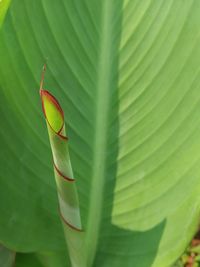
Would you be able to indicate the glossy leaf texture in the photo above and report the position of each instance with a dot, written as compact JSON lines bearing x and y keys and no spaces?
{"x":126,"y":74}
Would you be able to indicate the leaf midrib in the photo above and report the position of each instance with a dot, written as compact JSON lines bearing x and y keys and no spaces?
{"x":103,"y":100}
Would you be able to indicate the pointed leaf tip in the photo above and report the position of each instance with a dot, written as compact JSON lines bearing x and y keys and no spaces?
{"x":52,"y":111}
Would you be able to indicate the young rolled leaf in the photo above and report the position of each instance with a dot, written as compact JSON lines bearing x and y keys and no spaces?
{"x":66,"y":187}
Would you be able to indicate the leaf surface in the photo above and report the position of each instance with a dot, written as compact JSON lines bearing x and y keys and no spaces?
{"x":127,"y":76}
{"x":7,"y":257}
{"x":42,"y":259}
{"x":4,"y":4}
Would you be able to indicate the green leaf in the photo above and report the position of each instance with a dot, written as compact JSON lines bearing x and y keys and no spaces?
{"x":195,"y":249}
{"x":27,"y":260}
{"x":4,"y":4}
{"x":53,"y":112}
{"x":54,"y":259}
{"x":197,"y":258}
{"x":127,"y":76}
{"x":66,"y":184}
{"x":7,"y":257}
{"x":42,"y":259}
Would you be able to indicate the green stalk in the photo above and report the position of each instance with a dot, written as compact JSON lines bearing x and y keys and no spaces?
{"x":66,"y":185}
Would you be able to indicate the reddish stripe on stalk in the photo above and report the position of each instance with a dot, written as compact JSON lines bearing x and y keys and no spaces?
{"x":62,"y":175}
{"x":70,"y":225}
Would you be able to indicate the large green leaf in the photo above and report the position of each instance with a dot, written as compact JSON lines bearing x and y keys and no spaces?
{"x":127,"y":76}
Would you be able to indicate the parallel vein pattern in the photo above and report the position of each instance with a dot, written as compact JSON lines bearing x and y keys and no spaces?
{"x":127,"y":75}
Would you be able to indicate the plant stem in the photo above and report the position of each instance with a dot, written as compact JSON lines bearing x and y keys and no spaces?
{"x":69,"y":208}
